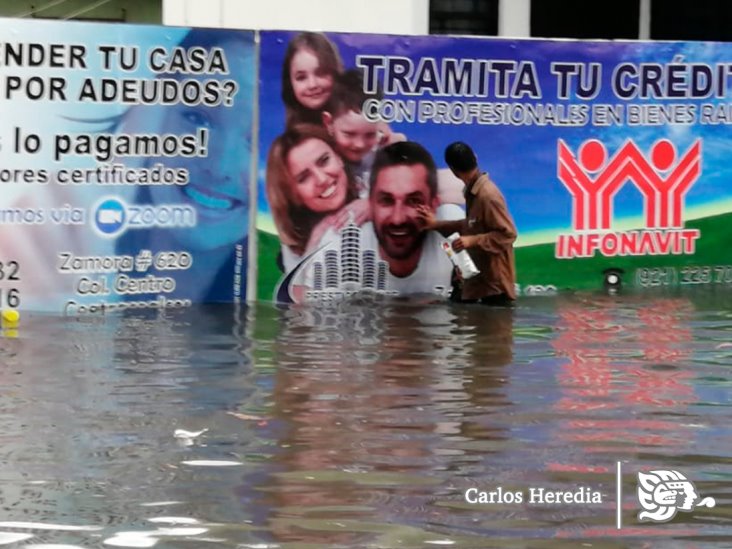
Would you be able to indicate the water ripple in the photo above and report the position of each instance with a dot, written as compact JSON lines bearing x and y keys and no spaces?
{"x":361,"y":426}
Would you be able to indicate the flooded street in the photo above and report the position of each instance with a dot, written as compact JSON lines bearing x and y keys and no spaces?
{"x":361,"y":425}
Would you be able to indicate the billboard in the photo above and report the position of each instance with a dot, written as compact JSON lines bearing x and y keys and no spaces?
{"x":611,"y":157}
{"x":124,"y":165}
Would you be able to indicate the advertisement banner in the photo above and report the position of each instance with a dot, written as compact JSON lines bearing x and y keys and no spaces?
{"x":124,"y":165}
{"x":611,"y":157}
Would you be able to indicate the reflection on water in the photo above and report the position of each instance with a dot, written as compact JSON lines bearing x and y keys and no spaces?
{"x":363,"y":424}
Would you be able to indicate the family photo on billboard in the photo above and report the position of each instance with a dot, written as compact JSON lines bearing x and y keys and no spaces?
{"x":602,"y":166}
{"x":345,"y":190}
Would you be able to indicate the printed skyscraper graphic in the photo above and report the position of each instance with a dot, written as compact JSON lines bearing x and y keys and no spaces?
{"x":343,"y":268}
{"x":347,"y":266}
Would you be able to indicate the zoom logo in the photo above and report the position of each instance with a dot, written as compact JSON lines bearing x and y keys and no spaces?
{"x":112,"y":216}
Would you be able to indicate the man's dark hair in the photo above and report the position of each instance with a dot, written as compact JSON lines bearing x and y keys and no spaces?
{"x":404,"y":153}
{"x":460,"y":157}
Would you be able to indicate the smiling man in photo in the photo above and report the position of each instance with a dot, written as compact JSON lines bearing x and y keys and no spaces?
{"x":404,"y":178}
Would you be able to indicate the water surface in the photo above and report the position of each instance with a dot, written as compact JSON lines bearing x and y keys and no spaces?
{"x":364,"y":424}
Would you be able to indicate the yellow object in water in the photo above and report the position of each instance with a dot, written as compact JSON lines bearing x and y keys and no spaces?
{"x":11,"y":316}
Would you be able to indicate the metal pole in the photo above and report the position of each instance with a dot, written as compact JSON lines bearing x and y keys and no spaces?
{"x":514,"y":18}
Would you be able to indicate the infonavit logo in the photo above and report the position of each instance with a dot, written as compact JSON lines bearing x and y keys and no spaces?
{"x":112,"y":216}
{"x":662,"y":493}
{"x":663,"y":177}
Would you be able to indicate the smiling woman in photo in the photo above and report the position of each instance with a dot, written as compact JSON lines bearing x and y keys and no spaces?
{"x":218,"y":183}
{"x":310,"y":192}
{"x":126,"y":178}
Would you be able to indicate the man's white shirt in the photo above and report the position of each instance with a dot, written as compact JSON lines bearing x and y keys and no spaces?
{"x":432,"y":274}
{"x":434,"y":270}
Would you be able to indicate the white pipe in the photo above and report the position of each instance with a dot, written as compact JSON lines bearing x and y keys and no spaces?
{"x":644,"y":21}
{"x":514,"y":18}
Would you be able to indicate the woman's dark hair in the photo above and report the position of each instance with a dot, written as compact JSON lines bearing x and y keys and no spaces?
{"x":328,"y":58}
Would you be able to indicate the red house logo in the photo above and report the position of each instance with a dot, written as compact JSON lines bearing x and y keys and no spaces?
{"x":593,"y":180}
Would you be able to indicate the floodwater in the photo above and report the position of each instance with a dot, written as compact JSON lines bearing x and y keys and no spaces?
{"x":367,"y":425}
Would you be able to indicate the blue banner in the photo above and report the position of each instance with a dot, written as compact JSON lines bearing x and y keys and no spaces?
{"x":124,"y":165}
{"x":611,"y":156}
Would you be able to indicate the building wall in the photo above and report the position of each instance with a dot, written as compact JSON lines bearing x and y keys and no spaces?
{"x":127,"y":11}
{"x":622,"y":19}
{"x":376,"y":16}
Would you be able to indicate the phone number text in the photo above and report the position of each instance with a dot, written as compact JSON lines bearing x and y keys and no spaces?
{"x":649,"y":277}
